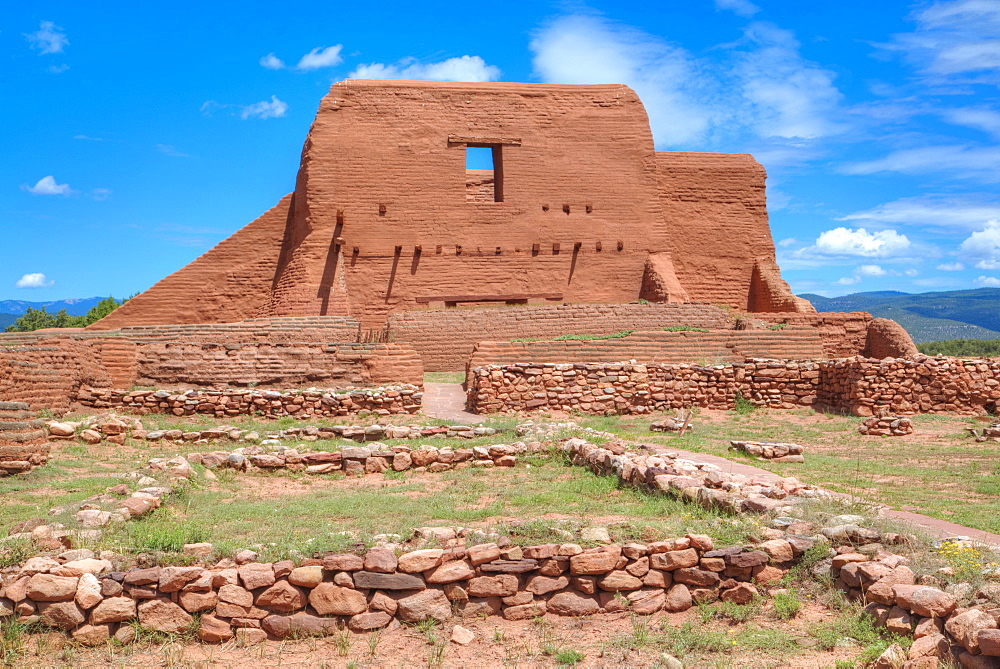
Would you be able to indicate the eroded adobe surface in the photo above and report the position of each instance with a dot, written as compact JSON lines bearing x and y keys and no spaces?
{"x":579,"y":208}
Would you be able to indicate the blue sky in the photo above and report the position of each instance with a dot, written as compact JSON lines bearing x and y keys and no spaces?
{"x":135,"y":136}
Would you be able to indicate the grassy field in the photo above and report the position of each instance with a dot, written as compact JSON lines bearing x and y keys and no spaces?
{"x":939,"y":470}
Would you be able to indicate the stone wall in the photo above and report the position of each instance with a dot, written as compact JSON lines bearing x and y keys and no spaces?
{"x":706,"y":348}
{"x":856,"y":385}
{"x":465,"y":578}
{"x":269,"y":404}
{"x":445,"y":337}
{"x":282,"y":365}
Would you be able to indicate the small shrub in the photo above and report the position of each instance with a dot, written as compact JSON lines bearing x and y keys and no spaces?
{"x":777,"y":326}
{"x":786,"y":605}
{"x":744,"y":407}
{"x":569,"y":657}
{"x":737,"y":613}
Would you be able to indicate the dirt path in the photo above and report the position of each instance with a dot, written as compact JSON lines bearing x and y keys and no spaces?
{"x":447,"y":402}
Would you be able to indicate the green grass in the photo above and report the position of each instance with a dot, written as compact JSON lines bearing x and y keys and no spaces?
{"x":684,"y":328}
{"x":444,"y":377}
{"x":578,"y":337}
{"x":939,"y":471}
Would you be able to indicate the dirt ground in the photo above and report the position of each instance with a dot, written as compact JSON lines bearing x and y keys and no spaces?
{"x":601,"y":639}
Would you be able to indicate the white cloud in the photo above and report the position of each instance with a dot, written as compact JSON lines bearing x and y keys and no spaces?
{"x":979,"y":118}
{"x":264,"y":109}
{"x":788,"y":241}
{"x":987,"y":281}
{"x":48,"y":186}
{"x":743,"y":8}
{"x":954,"y":160}
{"x":871,"y":270}
{"x":463,"y":68}
{"x":170,"y":150}
{"x":791,"y":97}
{"x":272,"y":62}
{"x":33,"y":280}
{"x":951,"y":267}
{"x":969,"y":211}
{"x":49,"y":38}
{"x":759,"y":84}
{"x":960,"y":37}
{"x":101,"y":193}
{"x":848,"y":280}
{"x":857,"y":242}
{"x":317,"y":58}
{"x":983,"y":247}
{"x":581,"y":49}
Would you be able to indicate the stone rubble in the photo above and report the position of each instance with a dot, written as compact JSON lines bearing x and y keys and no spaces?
{"x":884,"y":426}
{"x":766,"y":450}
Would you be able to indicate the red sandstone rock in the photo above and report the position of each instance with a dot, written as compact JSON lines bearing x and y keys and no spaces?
{"x":330,"y":599}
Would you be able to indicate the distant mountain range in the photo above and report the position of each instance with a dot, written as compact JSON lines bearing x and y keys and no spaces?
{"x":10,"y":310}
{"x":956,"y":314}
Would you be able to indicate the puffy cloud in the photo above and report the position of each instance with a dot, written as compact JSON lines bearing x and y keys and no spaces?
{"x":848,"y":280}
{"x":969,"y":211}
{"x":317,"y":58}
{"x":964,"y":161}
{"x":983,"y":247}
{"x":33,"y":280}
{"x":987,"y":281}
{"x":791,"y":97}
{"x":271,"y":62}
{"x":463,"y":68}
{"x":743,"y":8}
{"x":857,"y":242}
{"x":264,"y":109}
{"x":762,"y":85}
{"x":49,"y":38}
{"x":48,"y":186}
{"x":582,"y":49}
{"x":951,"y":267}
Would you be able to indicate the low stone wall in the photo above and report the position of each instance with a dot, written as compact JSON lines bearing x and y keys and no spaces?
{"x":705,"y":348}
{"x":444,"y":338}
{"x":48,"y":375}
{"x":465,"y":577}
{"x":860,"y":386}
{"x":403,"y":399}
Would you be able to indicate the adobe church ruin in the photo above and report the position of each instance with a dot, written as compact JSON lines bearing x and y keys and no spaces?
{"x":581,"y":227}
{"x":579,"y":208}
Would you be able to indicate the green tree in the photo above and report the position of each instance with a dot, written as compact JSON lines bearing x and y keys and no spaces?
{"x":100,"y":310}
{"x":36,"y":319}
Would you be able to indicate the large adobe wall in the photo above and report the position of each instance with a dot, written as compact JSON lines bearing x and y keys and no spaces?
{"x":50,"y":373}
{"x":230,"y":282}
{"x":445,"y":337}
{"x":384,"y":169}
{"x":708,"y":348}
{"x":385,"y":217}
{"x":715,"y":227}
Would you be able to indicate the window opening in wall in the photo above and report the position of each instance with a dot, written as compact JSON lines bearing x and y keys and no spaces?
{"x":483,"y":173}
